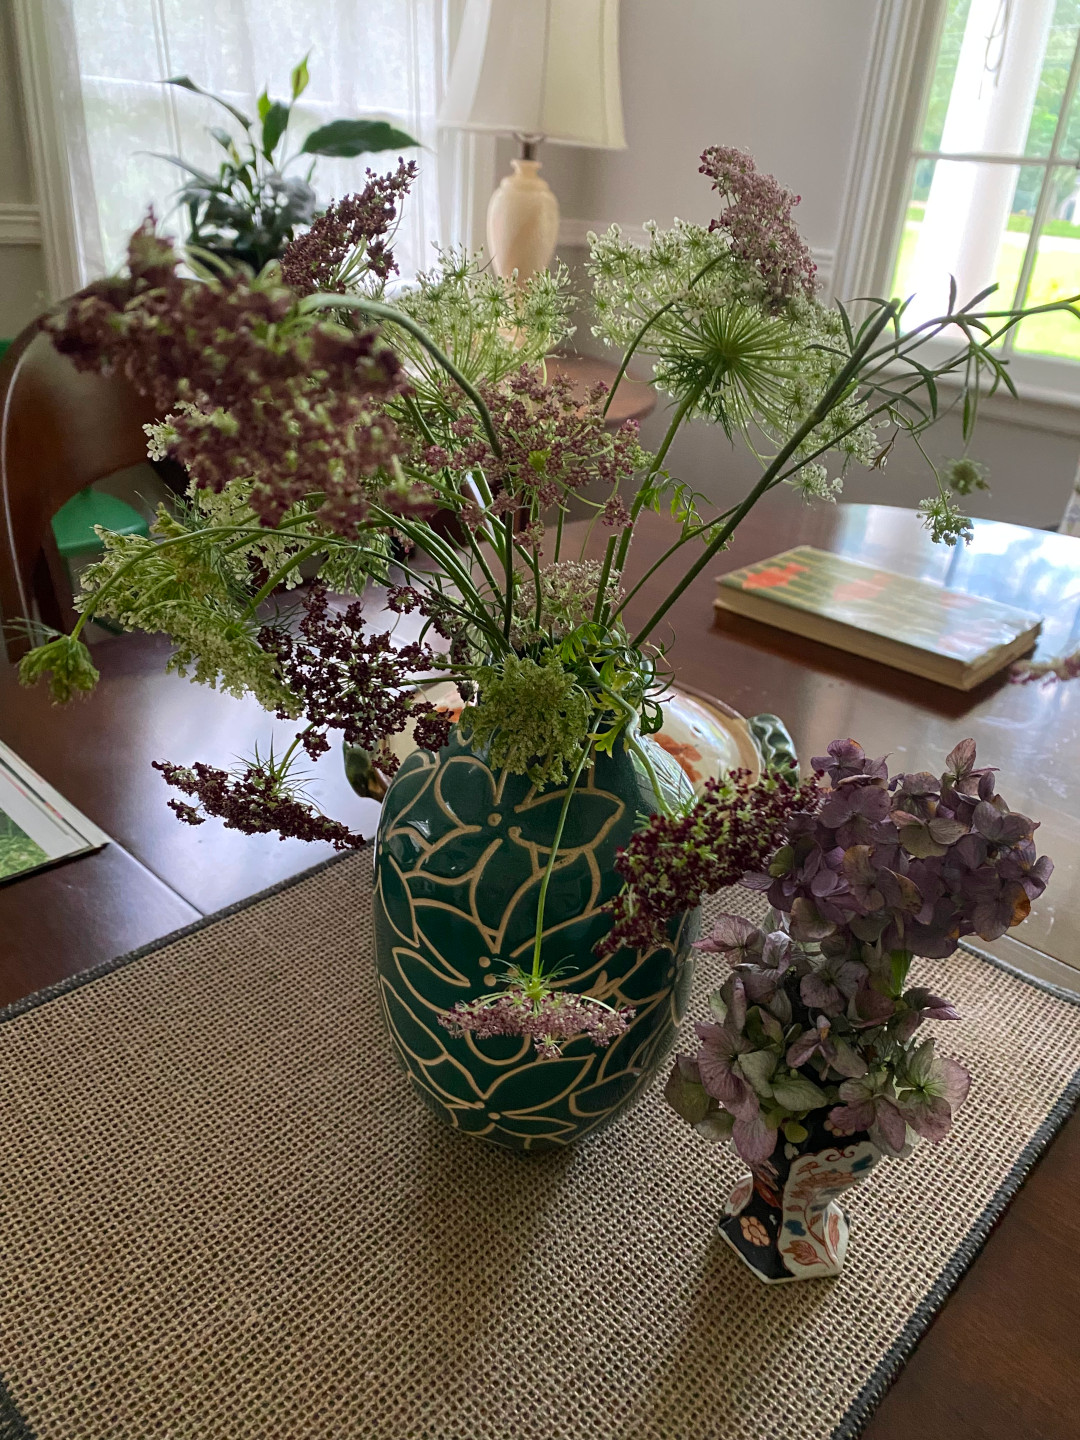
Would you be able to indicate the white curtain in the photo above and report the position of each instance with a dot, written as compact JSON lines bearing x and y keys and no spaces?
{"x":384,"y":58}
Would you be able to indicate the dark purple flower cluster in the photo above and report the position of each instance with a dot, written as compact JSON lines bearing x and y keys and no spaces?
{"x":255,"y":391}
{"x":549,"y":1020}
{"x":354,"y":682}
{"x":257,"y":801}
{"x":758,"y":219}
{"x":670,"y":863}
{"x":913,"y":863}
{"x":354,"y":225}
{"x":552,"y":442}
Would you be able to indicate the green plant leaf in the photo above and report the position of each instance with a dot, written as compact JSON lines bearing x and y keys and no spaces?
{"x":263,"y":104}
{"x":184,"y":82}
{"x":299,"y":78}
{"x":274,"y":123}
{"x":203,"y":178}
{"x":347,"y":138}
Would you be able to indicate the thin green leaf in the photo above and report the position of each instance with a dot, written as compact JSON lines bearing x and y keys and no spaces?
{"x":346,"y":138}
{"x":847,"y":325}
{"x":200,"y":175}
{"x":184,"y":82}
{"x":263,"y":104}
{"x":977,"y":299}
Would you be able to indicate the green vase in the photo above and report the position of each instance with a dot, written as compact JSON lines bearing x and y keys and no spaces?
{"x":460,"y":854}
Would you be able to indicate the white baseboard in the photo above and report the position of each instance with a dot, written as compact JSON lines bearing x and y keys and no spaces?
{"x":20,"y":225}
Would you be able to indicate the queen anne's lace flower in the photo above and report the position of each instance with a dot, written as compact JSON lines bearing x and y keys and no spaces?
{"x":548,"y":1018}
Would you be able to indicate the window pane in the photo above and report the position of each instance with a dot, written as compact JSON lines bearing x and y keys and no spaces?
{"x":952,"y":37}
{"x":1056,"y":274}
{"x":968,"y":220}
{"x":1060,"y":48}
{"x":1000,"y":76}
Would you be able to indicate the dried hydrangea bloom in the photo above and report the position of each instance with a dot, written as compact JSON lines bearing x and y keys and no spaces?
{"x":910,"y":864}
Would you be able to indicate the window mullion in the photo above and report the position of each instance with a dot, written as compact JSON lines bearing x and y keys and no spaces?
{"x":1043,"y":205}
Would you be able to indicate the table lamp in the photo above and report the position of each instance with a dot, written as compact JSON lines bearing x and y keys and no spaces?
{"x":540,"y":70}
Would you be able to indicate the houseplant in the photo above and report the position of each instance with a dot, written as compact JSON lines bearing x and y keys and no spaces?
{"x":327,"y":424}
{"x":251,"y":209}
{"x":814,"y":1063}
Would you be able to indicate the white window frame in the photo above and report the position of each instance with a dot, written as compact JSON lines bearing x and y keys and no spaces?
{"x":900,"y":70}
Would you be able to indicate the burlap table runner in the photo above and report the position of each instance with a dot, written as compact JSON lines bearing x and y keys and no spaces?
{"x":224,"y":1214}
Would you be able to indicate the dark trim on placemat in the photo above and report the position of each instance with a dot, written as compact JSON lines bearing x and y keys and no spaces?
{"x":13,"y":1426}
{"x":889,"y":1367}
{"x":106,"y":967}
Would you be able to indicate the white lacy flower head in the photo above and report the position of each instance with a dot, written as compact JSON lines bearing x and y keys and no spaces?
{"x":722,"y":345}
{"x":487,"y":325}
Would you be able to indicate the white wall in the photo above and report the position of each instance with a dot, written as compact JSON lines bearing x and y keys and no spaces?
{"x":783,"y":79}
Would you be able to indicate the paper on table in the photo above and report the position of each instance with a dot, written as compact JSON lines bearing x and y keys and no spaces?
{"x":37,"y":825}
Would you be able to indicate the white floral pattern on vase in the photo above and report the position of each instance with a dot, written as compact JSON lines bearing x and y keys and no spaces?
{"x":784,"y":1221}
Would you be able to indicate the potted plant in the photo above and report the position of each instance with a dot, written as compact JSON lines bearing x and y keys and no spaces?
{"x":251,"y":209}
{"x":533,"y":939}
{"x":814,"y":1063}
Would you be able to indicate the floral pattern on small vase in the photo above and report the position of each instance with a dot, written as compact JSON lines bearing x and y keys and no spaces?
{"x":784,"y":1221}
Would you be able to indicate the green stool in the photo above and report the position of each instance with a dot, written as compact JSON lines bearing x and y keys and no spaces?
{"x":73,"y":524}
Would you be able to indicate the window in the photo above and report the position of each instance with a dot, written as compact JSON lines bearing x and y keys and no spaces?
{"x":993,"y":188}
{"x":92,"y":74}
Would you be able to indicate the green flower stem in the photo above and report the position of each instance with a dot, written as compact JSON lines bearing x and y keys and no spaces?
{"x":478,"y":555}
{"x":633,"y":744}
{"x":601,"y":602}
{"x":555,"y":842}
{"x":558,"y":534}
{"x":379,"y":311}
{"x":684,"y":539}
{"x":649,"y":323}
{"x":315,"y":548}
{"x":772,"y":474}
{"x":686,"y":404}
{"x":539,"y":615}
{"x":477,"y":615}
{"x":508,"y":565}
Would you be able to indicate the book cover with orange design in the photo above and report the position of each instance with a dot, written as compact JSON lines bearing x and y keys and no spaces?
{"x":915,"y":625}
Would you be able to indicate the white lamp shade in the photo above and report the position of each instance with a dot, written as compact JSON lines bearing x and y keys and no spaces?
{"x":541,"y":68}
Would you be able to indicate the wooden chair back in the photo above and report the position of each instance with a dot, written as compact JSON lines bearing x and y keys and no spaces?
{"x":60,"y":430}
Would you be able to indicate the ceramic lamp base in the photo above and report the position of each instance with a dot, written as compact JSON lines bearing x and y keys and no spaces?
{"x":522,"y":222}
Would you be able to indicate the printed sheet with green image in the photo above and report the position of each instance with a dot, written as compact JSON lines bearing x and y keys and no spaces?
{"x":38,"y":827}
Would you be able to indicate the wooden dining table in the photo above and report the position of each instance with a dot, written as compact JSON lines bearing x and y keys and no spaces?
{"x":999,"y":1361}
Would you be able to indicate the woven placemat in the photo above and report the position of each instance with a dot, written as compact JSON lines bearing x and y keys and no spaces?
{"x":224,"y":1214}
